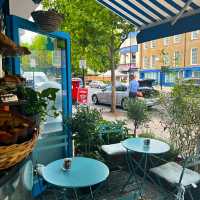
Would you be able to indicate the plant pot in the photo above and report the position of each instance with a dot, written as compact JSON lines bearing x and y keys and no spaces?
{"x":48,"y":21}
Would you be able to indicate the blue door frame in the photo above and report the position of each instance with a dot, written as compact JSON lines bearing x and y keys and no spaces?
{"x":13,"y":24}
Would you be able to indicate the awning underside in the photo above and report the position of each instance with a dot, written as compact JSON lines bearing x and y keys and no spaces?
{"x":151,"y":14}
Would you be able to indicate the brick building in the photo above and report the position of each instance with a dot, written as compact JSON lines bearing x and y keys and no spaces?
{"x":175,"y":51}
{"x":181,"y":53}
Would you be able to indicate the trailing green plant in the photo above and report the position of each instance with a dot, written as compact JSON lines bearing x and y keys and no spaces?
{"x":137,"y":111}
{"x":83,"y":125}
{"x":182,"y":117}
{"x":112,"y":131}
{"x":38,"y":103}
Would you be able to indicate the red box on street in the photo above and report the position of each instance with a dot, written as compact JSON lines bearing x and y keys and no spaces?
{"x":75,"y":88}
{"x":82,"y":95}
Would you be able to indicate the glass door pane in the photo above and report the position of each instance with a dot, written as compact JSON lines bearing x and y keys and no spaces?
{"x":43,"y":69}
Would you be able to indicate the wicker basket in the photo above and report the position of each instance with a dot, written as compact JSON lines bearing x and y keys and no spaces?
{"x":13,"y":154}
{"x":48,"y":21}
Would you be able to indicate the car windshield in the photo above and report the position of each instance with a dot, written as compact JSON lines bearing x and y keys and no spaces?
{"x":108,"y":88}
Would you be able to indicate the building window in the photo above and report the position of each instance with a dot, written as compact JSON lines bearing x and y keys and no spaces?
{"x":166,"y":41}
{"x":166,"y":59}
{"x":177,"y":58}
{"x":196,"y":74}
{"x":194,"y":56}
{"x":145,"y":61}
{"x":133,"y":58}
{"x":194,"y":35}
{"x":177,"y":38}
{"x":153,"y":60}
{"x":146,"y":45}
{"x":153,"y":44}
{"x":123,"y":58}
{"x":152,"y":75}
{"x":171,"y":77}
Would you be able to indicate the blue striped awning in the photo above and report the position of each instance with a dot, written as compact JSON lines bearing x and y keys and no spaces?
{"x":132,"y":49}
{"x":157,"y":18}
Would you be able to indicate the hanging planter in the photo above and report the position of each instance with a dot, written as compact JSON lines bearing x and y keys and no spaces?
{"x":48,"y":21}
{"x":37,"y":1}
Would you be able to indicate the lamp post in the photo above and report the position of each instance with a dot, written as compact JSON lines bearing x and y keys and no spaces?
{"x":82,"y":65}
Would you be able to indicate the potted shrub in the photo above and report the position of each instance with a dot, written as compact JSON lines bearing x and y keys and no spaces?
{"x":83,"y":126}
{"x":137,"y":112}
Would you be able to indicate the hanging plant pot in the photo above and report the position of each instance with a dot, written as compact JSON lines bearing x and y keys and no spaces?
{"x":48,"y":21}
{"x":37,"y":1}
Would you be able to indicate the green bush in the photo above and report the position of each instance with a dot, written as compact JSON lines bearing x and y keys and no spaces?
{"x":83,"y":125}
{"x":112,"y":132}
{"x":182,"y":116}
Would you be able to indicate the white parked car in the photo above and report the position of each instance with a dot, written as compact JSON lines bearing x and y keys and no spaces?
{"x":35,"y":79}
{"x":97,"y":84}
{"x":150,"y":95}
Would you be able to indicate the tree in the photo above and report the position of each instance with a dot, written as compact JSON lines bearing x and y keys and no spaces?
{"x":96,"y":34}
{"x":39,"y":49}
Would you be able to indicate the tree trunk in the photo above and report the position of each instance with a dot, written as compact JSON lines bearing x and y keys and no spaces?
{"x":135,"y":129}
{"x":113,"y":96}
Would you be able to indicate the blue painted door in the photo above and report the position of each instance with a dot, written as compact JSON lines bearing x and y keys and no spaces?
{"x":48,"y":66}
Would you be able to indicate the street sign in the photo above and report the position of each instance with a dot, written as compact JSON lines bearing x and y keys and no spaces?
{"x":32,"y":63}
{"x":82,"y":64}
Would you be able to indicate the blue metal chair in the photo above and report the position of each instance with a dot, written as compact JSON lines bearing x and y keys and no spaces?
{"x":182,"y":177}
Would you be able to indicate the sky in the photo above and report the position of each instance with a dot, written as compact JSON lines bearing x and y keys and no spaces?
{"x":28,"y":35}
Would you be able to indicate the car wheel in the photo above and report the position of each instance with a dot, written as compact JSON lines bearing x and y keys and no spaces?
{"x":95,"y":99}
{"x":124,"y":103}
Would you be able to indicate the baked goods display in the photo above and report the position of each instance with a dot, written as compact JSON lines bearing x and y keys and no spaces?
{"x":14,"y":128}
{"x":18,"y":134}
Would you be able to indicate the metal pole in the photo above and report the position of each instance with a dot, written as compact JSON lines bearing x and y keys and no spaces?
{"x":130,"y":56}
{"x":83,"y":77}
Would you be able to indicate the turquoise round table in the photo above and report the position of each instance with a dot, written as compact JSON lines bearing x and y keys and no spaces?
{"x":138,"y":145}
{"x":84,"y":172}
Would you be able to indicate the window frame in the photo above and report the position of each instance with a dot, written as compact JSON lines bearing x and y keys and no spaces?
{"x":153,"y":44}
{"x":145,"y":61}
{"x":191,"y":56}
{"x":177,"y":38}
{"x":166,"y":41}
{"x":192,"y":35}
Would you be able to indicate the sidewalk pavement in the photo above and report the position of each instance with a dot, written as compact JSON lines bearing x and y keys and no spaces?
{"x":153,"y":126}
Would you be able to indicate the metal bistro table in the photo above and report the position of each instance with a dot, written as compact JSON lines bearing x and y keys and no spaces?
{"x":84,"y":172}
{"x":138,"y":145}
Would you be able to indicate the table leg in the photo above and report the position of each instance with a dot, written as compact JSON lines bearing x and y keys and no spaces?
{"x":91,"y":193}
{"x":131,"y":168}
{"x":75,"y":193}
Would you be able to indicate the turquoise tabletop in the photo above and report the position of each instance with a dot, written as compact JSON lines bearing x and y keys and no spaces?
{"x":137,"y":145}
{"x":84,"y":172}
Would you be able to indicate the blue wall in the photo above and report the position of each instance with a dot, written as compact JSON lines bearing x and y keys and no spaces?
{"x":168,"y":78}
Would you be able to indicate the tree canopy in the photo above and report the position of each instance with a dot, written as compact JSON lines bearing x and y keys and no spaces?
{"x":91,"y":27}
{"x":96,"y":35}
